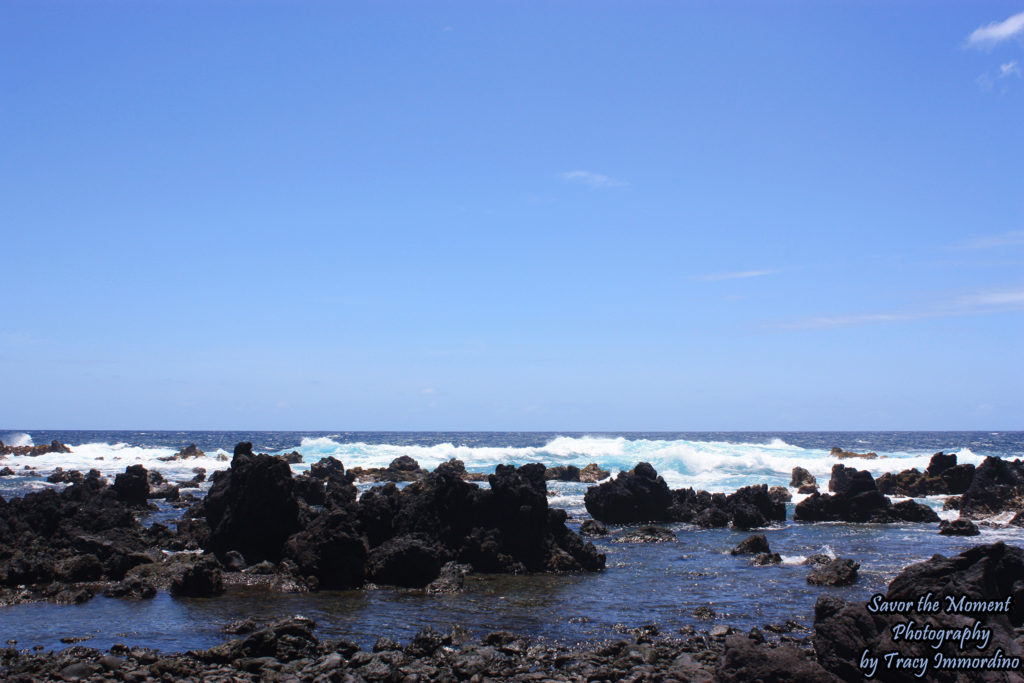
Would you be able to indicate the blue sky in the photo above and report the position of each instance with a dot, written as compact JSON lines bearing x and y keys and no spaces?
{"x":551,"y":216}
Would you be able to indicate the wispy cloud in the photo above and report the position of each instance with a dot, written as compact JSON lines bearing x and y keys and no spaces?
{"x":591,"y":179}
{"x":997,"y":32}
{"x":739,"y":275}
{"x":1006,"y":239}
{"x":1009,"y":69}
{"x":428,"y":391}
{"x":995,"y":301}
{"x":1006,"y":297}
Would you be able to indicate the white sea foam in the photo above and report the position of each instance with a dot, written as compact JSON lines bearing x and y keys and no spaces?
{"x":110,"y":459}
{"x":710,"y":465}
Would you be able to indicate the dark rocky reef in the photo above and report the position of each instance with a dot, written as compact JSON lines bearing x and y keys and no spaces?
{"x":985,"y":573}
{"x":856,"y":498}
{"x":33,"y":451}
{"x":943,"y":476}
{"x":640,"y":495}
{"x":50,"y":540}
{"x":401,"y":537}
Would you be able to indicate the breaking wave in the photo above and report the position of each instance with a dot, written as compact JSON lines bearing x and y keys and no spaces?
{"x":711,"y":465}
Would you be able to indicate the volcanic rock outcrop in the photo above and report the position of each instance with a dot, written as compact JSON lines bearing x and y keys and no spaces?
{"x":401,"y":537}
{"x":640,"y":495}
{"x":943,"y":476}
{"x":856,"y":498}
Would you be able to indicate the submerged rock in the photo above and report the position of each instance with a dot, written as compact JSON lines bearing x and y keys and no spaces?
{"x":836,"y":572}
{"x":958,"y":527}
{"x":838,"y":452}
{"x":647,"y":534}
{"x":752,"y":545}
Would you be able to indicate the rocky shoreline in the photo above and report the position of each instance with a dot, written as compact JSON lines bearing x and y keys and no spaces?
{"x":288,"y":649}
{"x":260,"y":524}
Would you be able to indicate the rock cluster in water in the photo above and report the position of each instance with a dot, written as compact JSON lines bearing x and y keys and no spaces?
{"x":389,"y":535}
{"x":261,"y":524}
{"x":856,"y":498}
{"x":943,"y":476}
{"x":33,"y":451}
{"x":640,"y":495}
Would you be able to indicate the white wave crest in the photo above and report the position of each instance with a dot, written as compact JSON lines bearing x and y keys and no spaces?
{"x":17,"y":439}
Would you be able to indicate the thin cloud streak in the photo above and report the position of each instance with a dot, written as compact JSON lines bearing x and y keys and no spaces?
{"x":996,"y":32}
{"x":999,"y":301}
{"x":716,"y":277}
{"x":1006,"y":239}
{"x":591,"y":179}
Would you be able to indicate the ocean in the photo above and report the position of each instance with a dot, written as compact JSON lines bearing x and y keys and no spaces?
{"x":660,"y":584}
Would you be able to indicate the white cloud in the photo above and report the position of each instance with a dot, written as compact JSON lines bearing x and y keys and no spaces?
{"x":996,"y":301}
{"x":997,"y":32}
{"x":1009,"y":69}
{"x":1008,"y":297}
{"x":429,"y":391}
{"x":592,"y":179}
{"x":715,"y":277}
{"x":1006,"y":239}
